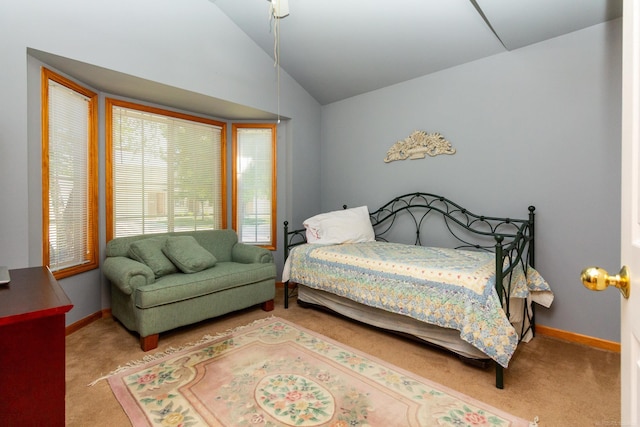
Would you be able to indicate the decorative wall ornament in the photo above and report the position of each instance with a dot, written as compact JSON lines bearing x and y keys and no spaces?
{"x":416,"y":145}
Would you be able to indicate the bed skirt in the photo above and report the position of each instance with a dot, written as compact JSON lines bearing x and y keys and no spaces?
{"x":436,"y":335}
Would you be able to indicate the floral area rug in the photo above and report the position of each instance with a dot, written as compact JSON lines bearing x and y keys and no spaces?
{"x":274,"y":373}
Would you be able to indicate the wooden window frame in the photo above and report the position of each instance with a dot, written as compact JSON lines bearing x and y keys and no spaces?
{"x":91,"y":243}
{"x":234,"y":186}
{"x":109,"y":104}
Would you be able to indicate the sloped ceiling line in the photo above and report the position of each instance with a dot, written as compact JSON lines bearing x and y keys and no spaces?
{"x":336,"y":49}
{"x":486,"y":20}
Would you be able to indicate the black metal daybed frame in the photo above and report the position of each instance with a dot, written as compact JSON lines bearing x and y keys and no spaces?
{"x":512,"y":241}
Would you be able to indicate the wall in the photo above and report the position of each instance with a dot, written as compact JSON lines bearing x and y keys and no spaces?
{"x":191,"y":46}
{"x":539,"y":125}
{"x":536,"y":126}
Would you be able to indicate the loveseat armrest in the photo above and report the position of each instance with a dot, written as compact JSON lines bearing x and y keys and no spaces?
{"x":126,"y":273}
{"x":248,"y":254}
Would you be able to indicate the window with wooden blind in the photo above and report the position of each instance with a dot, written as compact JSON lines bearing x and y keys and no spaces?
{"x":254,"y":183}
{"x":69,"y":175}
{"x":165,"y":171}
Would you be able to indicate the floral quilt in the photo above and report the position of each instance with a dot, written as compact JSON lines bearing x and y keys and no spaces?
{"x":446,"y":287}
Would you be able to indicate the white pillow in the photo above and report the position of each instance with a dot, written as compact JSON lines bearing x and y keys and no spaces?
{"x":343,"y":226}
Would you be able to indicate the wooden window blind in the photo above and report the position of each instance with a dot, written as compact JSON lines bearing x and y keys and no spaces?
{"x":254,"y":183}
{"x":165,"y":171}
{"x":69,"y":175}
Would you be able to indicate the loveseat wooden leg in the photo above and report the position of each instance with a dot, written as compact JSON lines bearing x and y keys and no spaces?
{"x":149,"y":342}
{"x":268,"y":305}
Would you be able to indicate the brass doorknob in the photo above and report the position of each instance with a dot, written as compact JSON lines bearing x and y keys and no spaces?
{"x":597,"y":279}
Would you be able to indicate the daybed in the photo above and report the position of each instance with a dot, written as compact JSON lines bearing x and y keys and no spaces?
{"x":470,"y":291}
{"x":162,"y":281}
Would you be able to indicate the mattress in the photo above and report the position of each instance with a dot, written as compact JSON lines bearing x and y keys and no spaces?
{"x":446,"y":289}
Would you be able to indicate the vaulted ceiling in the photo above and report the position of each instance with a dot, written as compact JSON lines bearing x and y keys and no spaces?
{"x":337,"y":49}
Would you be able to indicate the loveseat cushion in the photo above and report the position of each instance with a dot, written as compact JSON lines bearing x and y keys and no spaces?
{"x":187,"y":254}
{"x":179,"y":287}
{"x":149,"y":252}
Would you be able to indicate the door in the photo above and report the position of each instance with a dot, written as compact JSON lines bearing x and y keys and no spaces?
{"x":598,"y":279}
{"x":630,"y":217}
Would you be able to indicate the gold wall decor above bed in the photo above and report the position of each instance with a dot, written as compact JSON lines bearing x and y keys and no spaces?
{"x":416,"y":145}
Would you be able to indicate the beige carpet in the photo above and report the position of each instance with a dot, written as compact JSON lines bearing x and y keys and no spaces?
{"x":563,"y":384}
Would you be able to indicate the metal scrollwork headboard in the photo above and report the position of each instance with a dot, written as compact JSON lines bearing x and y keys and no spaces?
{"x":418,"y":206}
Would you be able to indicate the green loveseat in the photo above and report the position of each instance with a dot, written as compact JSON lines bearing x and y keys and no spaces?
{"x":162,"y":281}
